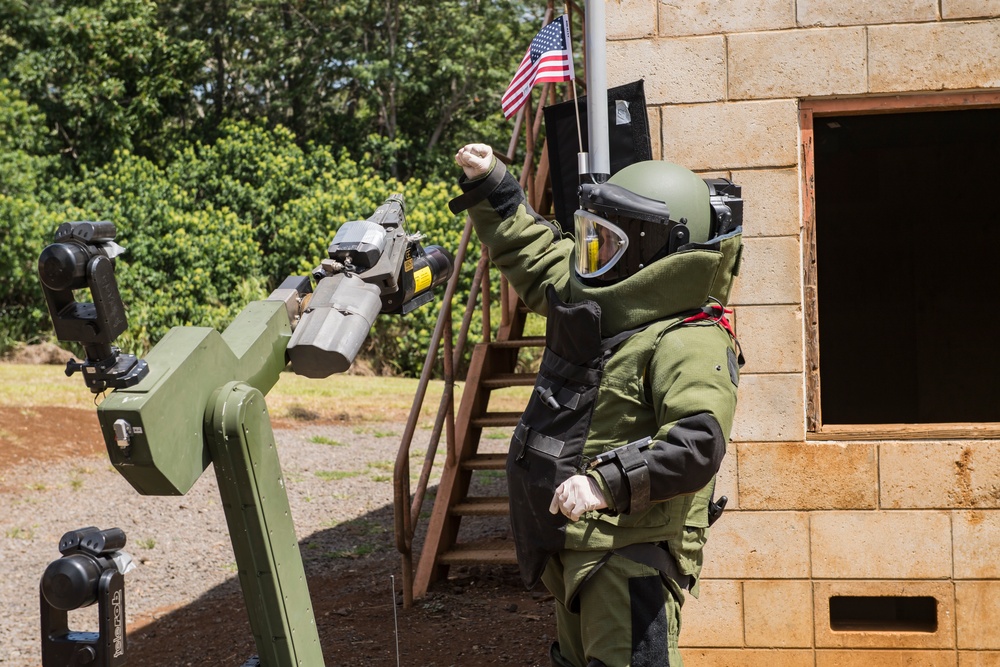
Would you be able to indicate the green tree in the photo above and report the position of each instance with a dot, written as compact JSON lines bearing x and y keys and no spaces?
{"x":223,"y":223}
{"x":24,"y":219}
{"x":105,"y":73}
{"x":397,"y":84}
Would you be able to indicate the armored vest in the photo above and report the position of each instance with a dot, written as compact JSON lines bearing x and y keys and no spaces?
{"x":547,"y":445}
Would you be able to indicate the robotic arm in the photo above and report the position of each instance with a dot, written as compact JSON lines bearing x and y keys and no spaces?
{"x":198,"y":396}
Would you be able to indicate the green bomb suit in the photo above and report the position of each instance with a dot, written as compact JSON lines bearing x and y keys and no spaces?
{"x":668,"y":380}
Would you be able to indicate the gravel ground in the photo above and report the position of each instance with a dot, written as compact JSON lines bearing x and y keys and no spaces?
{"x":335,"y":476}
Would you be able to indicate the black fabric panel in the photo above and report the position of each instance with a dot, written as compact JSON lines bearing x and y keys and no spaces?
{"x":627,"y":142}
{"x":649,"y":622}
{"x":507,"y":197}
{"x":688,"y":459}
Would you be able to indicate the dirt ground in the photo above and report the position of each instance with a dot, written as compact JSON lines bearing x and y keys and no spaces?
{"x":476,"y":617}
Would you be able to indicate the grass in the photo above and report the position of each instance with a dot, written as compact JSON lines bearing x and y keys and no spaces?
{"x":19,"y":533}
{"x":323,"y":440}
{"x":328,"y":475}
{"x":42,"y":386}
{"x":352,"y":398}
{"x":356,"y":552}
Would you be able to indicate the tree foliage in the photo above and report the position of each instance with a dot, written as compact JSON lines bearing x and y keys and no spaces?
{"x":222,"y":225}
{"x":105,"y":74}
{"x":229,"y":139}
{"x":398,"y":84}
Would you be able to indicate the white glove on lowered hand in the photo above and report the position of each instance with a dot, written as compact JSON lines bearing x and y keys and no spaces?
{"x":576,"y":496}
{"x":474,"y":159}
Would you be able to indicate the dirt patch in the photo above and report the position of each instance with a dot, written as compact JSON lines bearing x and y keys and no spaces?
{"x":478,"y":616}
{"x":44,"y":435}
{"x":39,"y":353}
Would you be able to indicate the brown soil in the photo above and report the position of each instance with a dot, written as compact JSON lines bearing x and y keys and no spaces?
{"x":475,"y":617}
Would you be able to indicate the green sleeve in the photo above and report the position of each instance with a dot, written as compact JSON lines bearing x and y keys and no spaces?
{"x":529,"y":250}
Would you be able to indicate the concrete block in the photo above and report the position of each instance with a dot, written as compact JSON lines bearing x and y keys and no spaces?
{"x":771,"y":202}
{"x":771,"y":338}
{"x":934,"y":56}
{"x":675,"y":70}
{"x":830,"y":12}
{"x":960,"y":475}
{"x":727,"y":481}
{"x":978,"y":610}
{"x":712,"y":657}
{"x":942,"y":637}
{"x":968,"y":9}
{"x":758,"y":545}
{"x":805,"y":476}
{"x":737,"y":135}
{"x":881,"y":545}
{"x":703,"y":17}
{"x":884,"y":658}
{"x":770,"y":272}
{"x":630,"y":19}
{"x":797,"y":63}
{"x":770,"y":409}
{"x":976,"y":540}
{"x":979,"y":659}
{"x":655,"y":132}
{"x":716,"y":617}
{"x":778,"y":613}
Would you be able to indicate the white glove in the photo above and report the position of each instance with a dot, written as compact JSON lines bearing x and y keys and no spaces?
{"x":474,"y":159}
{"x":576,"y":496}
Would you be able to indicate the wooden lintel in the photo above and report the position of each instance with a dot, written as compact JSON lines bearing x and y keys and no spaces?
{"x":958,"y":431}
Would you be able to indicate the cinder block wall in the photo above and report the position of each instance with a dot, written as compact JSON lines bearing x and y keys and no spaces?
{"x":809,"y":520}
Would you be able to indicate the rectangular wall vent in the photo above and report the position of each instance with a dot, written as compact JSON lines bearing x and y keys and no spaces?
{"x":883,"y":614}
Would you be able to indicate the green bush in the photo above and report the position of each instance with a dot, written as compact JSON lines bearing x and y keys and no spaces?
{"x":219,"y":226}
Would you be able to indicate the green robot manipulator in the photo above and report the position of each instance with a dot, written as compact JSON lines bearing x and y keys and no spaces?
{"x":198,"y":396}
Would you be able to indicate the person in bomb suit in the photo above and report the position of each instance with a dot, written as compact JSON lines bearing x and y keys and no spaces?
{"x":611,"y":470}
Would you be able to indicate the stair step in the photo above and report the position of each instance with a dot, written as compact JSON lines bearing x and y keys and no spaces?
{"x":497,"y":419}
{"x":493,"y":552}
{"x":501,"y":380}
{"x":482,"y":506}
{"x":535,"y":341}
{"x":486,"y":462}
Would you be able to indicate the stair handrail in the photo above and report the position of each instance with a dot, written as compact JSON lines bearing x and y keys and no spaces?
{"x":407,"y":510}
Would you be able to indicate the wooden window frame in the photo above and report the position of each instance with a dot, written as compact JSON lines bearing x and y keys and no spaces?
{"x":809,"y":110}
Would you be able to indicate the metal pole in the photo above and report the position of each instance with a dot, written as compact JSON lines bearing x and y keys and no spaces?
{"x":597,"y":90}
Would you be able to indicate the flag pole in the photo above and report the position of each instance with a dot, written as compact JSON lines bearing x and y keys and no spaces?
{"x":597,"y":91}
{"x":581,"y":156}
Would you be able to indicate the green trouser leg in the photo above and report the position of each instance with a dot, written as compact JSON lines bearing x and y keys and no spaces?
{"x":625,"y":617}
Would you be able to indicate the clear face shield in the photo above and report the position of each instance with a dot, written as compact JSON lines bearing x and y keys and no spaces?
{"x":600,"y":244}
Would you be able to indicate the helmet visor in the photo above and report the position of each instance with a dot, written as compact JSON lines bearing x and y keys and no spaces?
{"x":600,"y":244}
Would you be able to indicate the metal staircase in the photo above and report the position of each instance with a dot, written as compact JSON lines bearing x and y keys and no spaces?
{"x":493,"y":367}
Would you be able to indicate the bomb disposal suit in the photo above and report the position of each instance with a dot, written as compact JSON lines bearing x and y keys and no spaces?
{"x":612,"y":467}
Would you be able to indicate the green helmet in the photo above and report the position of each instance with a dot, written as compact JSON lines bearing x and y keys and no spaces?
{"x":684,"y":193}
{"x":645,"y":212}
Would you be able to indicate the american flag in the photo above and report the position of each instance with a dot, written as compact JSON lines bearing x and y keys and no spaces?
{"x":549,"y":58}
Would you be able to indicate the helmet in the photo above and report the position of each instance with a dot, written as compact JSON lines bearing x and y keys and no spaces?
{"x":647,"y":211}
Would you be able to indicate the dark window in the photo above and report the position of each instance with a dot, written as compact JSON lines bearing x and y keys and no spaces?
{"x":908,"y":266}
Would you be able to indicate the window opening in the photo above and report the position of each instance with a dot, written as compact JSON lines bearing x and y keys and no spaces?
{"x":907,"y":236}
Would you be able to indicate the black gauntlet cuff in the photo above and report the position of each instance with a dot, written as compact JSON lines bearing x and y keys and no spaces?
{"x":477,"y":190}
{"x":626,"y":473}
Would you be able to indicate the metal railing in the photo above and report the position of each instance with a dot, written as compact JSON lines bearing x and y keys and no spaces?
{"x":533,"y":181}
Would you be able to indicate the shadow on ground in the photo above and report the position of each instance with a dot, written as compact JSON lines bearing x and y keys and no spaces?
{"x":478,"y":616}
